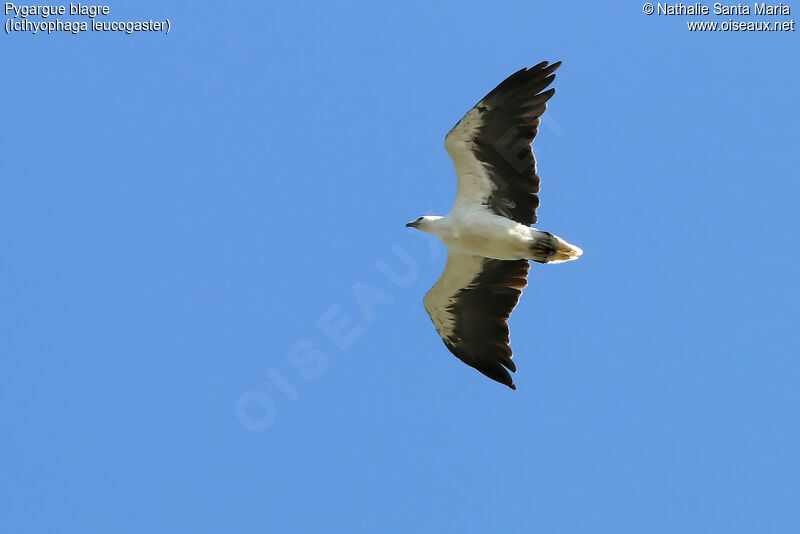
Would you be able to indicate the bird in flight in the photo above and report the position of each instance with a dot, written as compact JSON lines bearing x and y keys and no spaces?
{"x":488,"y":231}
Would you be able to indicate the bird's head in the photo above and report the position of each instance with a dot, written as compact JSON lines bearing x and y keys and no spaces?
{"x":423,"y":223}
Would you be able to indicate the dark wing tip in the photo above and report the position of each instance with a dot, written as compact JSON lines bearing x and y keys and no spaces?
{"x":544,"y":96}
{"x":543,"y":69}
{"x":505,"y":380}
{"x":547,"y":69}
{"x":525,"y":76}
{"x":497,"y":372}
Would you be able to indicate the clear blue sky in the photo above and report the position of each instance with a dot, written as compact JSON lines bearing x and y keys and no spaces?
{"x":212,"y":312}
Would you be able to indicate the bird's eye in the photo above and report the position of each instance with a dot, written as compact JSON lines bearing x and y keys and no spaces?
{"x":419,"y":219}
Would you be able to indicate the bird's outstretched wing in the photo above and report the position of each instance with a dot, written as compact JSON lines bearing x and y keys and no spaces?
{"x":470,"y":305}
{"x":490,"y":146}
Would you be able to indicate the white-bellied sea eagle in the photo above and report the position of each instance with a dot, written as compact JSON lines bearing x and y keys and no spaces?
{"x":488,"y":231}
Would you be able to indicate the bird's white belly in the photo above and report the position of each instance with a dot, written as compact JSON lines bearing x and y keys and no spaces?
{"x":489,"y":235}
